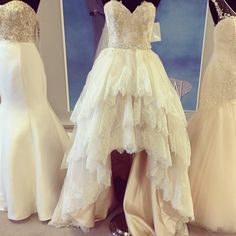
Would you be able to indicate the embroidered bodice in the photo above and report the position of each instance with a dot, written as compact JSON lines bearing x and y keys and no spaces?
{"x":129,"y":29}
{"x":219,"y":84}
{"x":18,"y":22}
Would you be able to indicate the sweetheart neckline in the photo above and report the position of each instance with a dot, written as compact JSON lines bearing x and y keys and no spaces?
{"x":2,"y":5}
{"x":127,"y":9}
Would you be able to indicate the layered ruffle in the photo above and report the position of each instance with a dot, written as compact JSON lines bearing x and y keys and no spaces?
{"x":128,"y":103}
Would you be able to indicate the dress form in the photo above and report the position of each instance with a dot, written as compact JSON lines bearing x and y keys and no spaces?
{"x":33,"y":3}
{"x":206,"y":163}
{"x":34,"y":186}
{"x":131,"y":111}
{"x":230,"y":3}
{"x":118,"y":224}
{"x":132,"y":4}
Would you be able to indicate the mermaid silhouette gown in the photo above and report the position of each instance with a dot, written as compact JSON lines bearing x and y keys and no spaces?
{"x":32,"y":140}
{"x":212,"y":132}
{"x":128,"y":103}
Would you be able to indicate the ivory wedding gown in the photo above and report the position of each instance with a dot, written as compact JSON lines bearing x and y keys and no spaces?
{"x":212,"y":132}
{"x":32,"y":140}
{"x":128,"y":103}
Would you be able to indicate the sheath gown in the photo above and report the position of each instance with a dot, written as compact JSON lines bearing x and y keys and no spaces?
{"x":32,"y":140}
{"x":212,"y":132}
{"x":128,"y":103}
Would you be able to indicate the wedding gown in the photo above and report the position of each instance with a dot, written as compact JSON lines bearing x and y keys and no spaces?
{"x":212,"y":132}
{"x":32,"y":140}
{"x":128,"y":103}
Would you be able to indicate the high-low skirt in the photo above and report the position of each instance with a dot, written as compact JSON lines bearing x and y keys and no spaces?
{"x":127,"y":104}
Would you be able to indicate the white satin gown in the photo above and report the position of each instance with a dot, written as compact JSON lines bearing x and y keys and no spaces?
{"x":32,"y":140}
{"x":128,"y":103}
{"x":212,"y":132}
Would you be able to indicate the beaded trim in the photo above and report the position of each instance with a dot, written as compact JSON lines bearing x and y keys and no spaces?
{"x":129,"y":46}
{"x":220,"y":11}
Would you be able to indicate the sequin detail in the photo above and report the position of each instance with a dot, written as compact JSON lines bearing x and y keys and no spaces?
{"x":129,"y":46}
{"x":18,"y":22}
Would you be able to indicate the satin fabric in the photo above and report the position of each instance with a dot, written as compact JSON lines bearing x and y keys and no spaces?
{"x":145,"y":211}
{"x":95,"y":212}
{"x":32,"y":140}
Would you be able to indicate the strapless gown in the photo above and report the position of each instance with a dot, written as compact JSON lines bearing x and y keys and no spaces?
{"x":128,"y":103}
{"x":212,"y":132}
{"x":32,"y":140}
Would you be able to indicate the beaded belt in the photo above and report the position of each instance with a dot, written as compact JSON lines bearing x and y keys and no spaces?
{"x":130,"y":46}
{"x":18,"y":39}
{"x":21,"y":35}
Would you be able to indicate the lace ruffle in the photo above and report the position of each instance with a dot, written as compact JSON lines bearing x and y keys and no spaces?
{"x":126,"y":108}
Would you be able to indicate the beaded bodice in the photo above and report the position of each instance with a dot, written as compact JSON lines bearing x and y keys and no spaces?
{"x":18,"y":22}
{"x":219,"y":84}
{"x":129,"y":29}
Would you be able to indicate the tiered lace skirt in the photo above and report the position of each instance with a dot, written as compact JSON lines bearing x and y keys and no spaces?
{"x":128,"y":103}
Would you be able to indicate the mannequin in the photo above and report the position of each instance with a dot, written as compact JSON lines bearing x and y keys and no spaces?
{"x":231,"y":3}
{"x":132,"y":4}
{"x":33,"y":3}
{"x":121,"y":163}
{"x":117,"y":159}
{"x":32,"y":153}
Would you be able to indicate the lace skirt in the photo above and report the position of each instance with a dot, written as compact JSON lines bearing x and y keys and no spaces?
{"x":128,"y":103}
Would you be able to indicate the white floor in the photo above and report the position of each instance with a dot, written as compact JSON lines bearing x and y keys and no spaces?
{"x":199,"y":232}
{"x":32,"y":227}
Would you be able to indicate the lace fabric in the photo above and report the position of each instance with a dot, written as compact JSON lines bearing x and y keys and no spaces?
{"x":18,"y":22}
{"x":219,"y":87}
{"x":219,"y":83}
{"x":120,"y":20}
{"x":134,"y":108}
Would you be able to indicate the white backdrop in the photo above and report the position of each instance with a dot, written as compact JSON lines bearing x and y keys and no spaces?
{"x":52,"y":51}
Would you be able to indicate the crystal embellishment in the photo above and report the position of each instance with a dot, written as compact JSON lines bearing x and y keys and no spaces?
{"x":18,"y":22}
